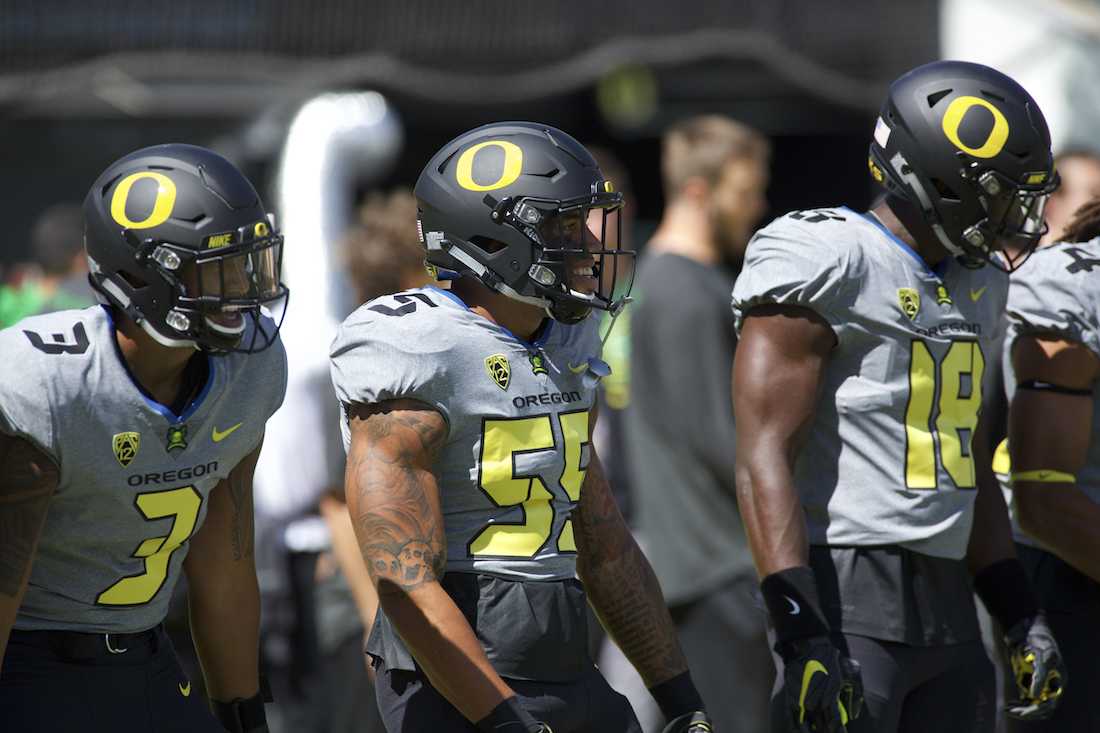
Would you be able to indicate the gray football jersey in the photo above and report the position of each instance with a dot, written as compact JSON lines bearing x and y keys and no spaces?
{"x":888,"y":459}
{"x":1057,"y":291}
{"x":135,"y":477}
{"x":517,"y":448}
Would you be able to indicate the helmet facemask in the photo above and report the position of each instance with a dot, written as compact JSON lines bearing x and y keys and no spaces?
{"x":579,"y":262}
{"x":1014,"y":215}
{"x":219,"y":292}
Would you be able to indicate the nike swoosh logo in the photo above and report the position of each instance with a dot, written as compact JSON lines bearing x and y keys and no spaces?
{"x":976,"y":295}
{"x":812,"y":667}
{"x":795,"y":608}
{"x":220,"y":436}
{"x":578,"y":368}
{"x":185,"y":690}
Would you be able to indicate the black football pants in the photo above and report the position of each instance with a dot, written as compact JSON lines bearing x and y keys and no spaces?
{"x":908,"y":689}
{"x":1072,"y":603}
{"x":62,"y":681}
{"x":409,"y":704}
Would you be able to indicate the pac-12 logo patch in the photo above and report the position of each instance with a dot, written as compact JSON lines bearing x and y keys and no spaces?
{"x":909,"y":300}
{"x":125,"y":446}
{"x":498,"y":368}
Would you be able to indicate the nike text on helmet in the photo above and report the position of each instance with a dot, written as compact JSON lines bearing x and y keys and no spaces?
{"x":178,"y":239}
{"x":968,"y":148}
{"x":524,"y":208}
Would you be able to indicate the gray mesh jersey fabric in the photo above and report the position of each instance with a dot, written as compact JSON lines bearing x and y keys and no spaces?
{"x":887,"y":461}
{"x":1057,"y":291}
{"x":118,"y":527}
{"x":517,"y":447}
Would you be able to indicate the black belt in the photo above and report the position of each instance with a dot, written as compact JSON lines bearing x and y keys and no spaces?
{"x":80,"y":645}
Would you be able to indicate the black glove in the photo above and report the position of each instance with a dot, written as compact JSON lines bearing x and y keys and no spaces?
{"x":824,"y":688}
{"x":510,"y":717}
{"x":697,"y":722}
{"x":1038,"y":668}
{"x":1036,"y":661}
{"x":240,"y":715}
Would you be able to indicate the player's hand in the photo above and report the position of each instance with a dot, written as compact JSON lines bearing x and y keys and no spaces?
{"x":510,"y":717}
{"x":697,"y":722}
{"x":1038,"y":668}
{"x":824,"y":688}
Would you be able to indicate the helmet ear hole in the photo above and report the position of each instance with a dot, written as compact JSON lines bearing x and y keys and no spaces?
{"x":486,"y":245}
{"x":132,"y":280}
{"x":946,"y":192}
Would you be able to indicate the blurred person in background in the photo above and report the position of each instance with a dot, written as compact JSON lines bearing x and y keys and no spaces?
{"x":679,"y":429}
{"x":60,"y":281}
{"x":331,"y":690}
{"x":1079,"y":170}
{"x":128,"y":438}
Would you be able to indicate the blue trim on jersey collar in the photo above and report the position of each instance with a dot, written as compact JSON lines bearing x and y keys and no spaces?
{"x":449,"y":294}
{"x":938,"y":270}
{"x":529,"y":345}
{"x":211,"y":368}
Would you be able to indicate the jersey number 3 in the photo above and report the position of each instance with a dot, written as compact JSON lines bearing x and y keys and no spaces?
{"x":182,"y":505}
{"x":501,"y":442}
{"x":958,"y":380}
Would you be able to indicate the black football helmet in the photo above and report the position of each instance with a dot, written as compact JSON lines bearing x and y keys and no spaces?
{"x":968,"y":148}
{"x":525,"y":209}
{"x":178,"y":240}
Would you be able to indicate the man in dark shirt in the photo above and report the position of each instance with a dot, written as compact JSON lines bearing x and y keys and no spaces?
{"x":680,"y":433}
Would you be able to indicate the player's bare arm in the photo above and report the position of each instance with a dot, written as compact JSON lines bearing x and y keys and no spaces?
{"x":777,"y":376}
{"x":1049,"y":432}
{"x":28,"y":478}
{"x":621,"y":585}
{"x":393,"y":497}
{"x":991,"y":531}
{"x":223,"y":594}
{"x":776,"y":383}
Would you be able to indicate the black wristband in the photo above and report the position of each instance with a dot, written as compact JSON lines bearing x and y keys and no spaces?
{"x":793,"y":604}
{"x":239,"y":715}
{"x":508,"y":717}
{"x":1006,"y":592}
{"x":677,"y":696}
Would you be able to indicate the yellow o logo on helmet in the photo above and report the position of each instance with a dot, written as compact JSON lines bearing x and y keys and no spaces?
{"x":162,"y":206}
{"x":954,"y":115}
{"x":513,"y":165}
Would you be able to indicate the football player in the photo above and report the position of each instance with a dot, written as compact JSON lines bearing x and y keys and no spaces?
{"x":1052,"y":362}
{"x":471,"y":480}
{"x":863,"y":476}
{"x":128,"y":436}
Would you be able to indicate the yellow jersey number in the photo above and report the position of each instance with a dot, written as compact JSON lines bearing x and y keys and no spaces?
{"x":501,"y":441}
{"x":958,"y":380}
{"x":182,"y":505}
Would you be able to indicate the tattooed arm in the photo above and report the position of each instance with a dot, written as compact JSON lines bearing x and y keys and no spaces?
{"x":223,"y":596}
{"x":395,"y":507}
{"x":28,"y":478}
{"x":621,"y":586}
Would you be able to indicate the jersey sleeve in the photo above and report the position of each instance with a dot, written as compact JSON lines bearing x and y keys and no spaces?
{"x":25,"y":408}
{"x":788,"y":265}
{"x":1048,"y":296}
{"x":377,"y":357}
